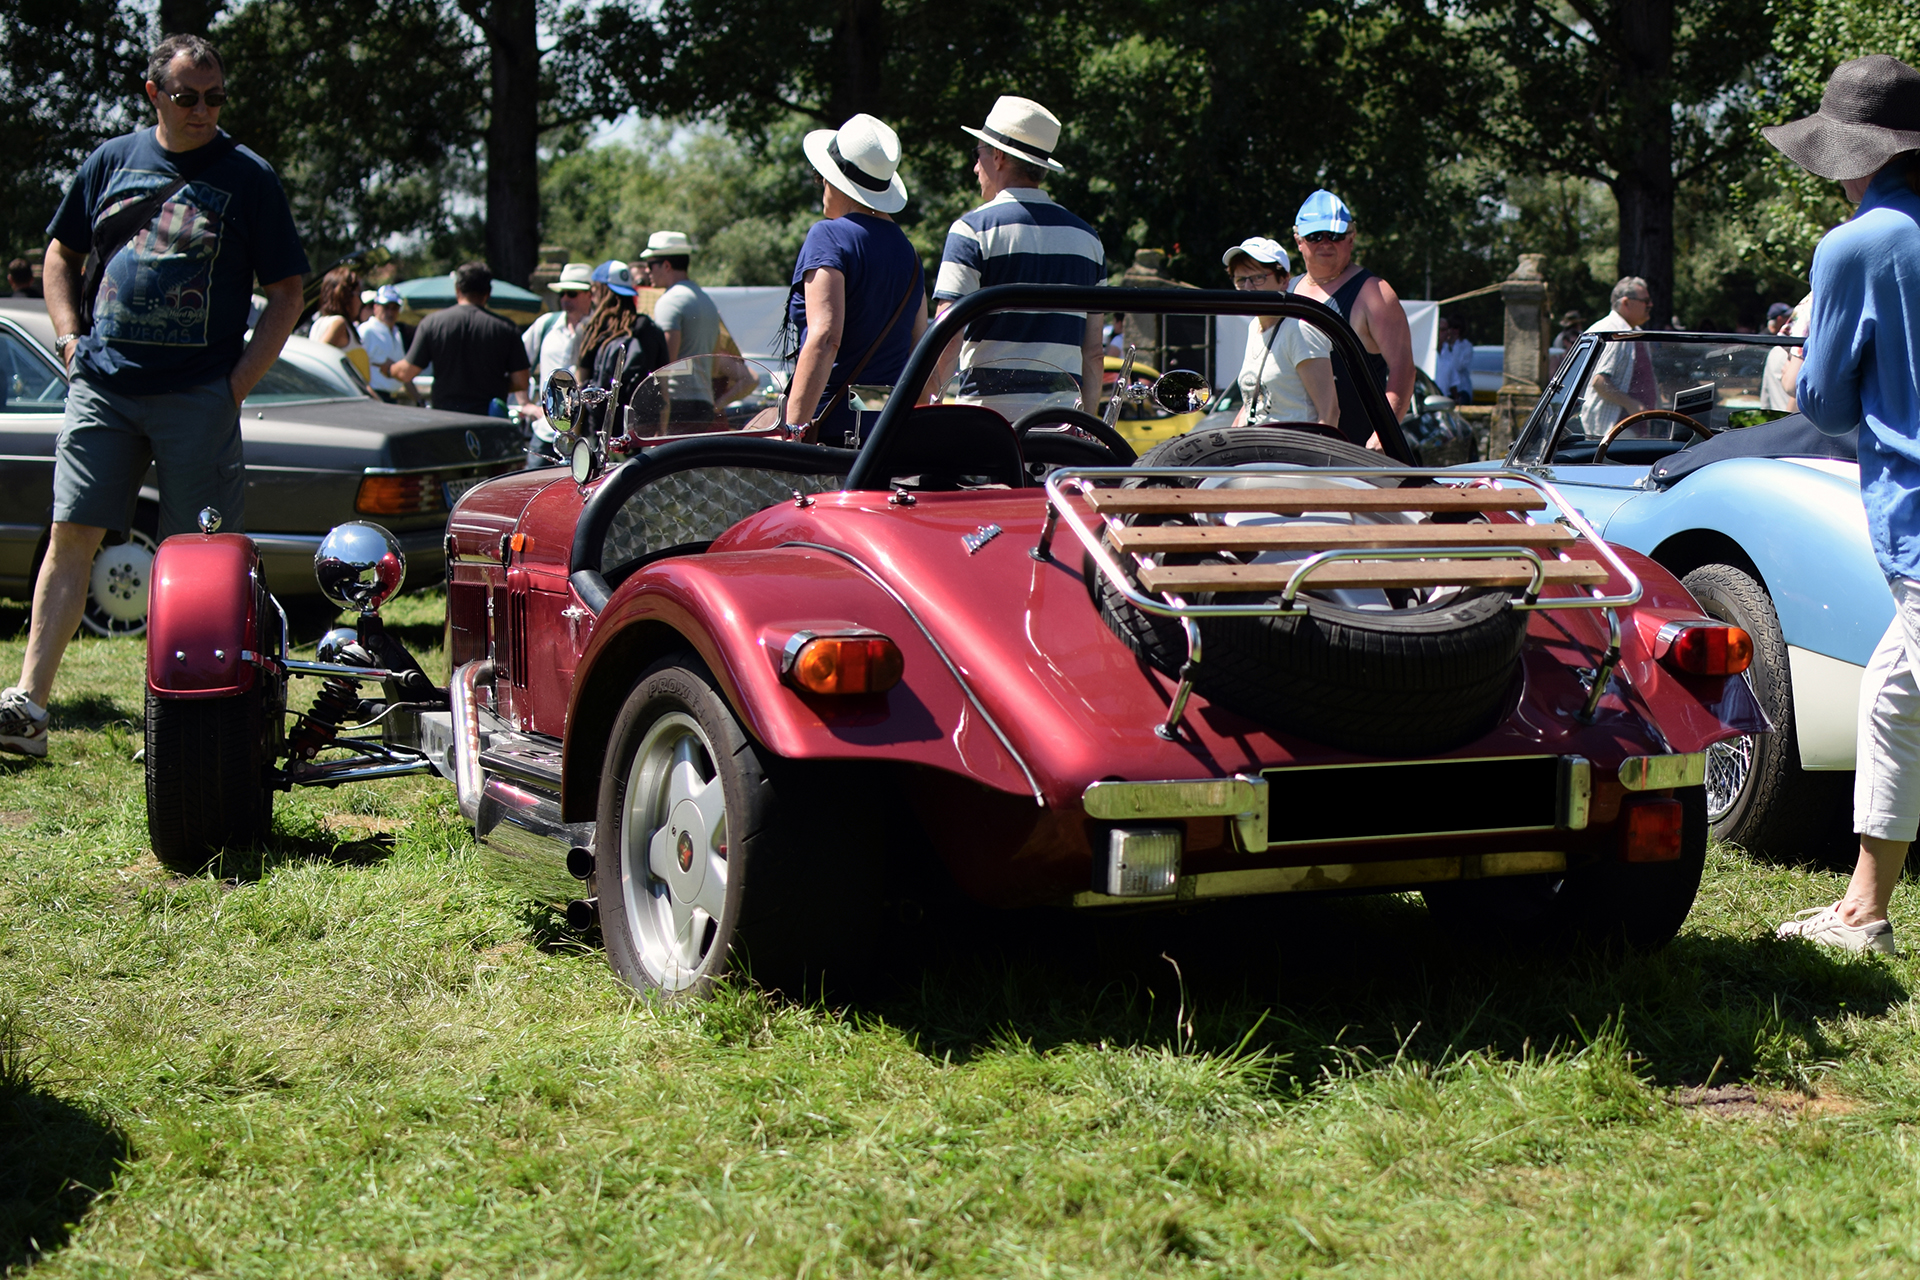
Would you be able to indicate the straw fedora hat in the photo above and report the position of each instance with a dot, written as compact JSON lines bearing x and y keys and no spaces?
{"x":1022,"y":128}
{"x":667,"y":244}
{"x":862,"y":159}
{"x":1869,"y":114}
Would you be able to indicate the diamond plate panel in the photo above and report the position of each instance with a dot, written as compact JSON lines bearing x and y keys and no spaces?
{"x":698,"y":506}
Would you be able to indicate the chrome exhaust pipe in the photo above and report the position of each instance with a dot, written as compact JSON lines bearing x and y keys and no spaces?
{"x":467,"y":777}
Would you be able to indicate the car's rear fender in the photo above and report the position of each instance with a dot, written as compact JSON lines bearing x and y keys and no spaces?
{"x":203,"y":616}
{"x":736,"y":612}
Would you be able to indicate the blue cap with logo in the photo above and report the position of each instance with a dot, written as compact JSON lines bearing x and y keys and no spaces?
{"x":1323,"y":211}
{"x":613,"y":273}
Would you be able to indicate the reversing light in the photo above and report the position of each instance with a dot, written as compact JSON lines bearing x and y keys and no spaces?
{"x":1705,"y":648}
{"x":866,"y":662}
{"x":399,"y":496}
{"x":1651,"y":829}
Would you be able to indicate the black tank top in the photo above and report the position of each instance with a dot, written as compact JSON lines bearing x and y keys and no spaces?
{"x":1355,"y":423}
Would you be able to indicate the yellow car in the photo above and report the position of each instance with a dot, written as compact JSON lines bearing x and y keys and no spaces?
{"x":1144,"y":425}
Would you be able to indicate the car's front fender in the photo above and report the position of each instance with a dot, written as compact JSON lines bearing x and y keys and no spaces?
{"x":1800,"y":526}
{"x":203,"y":616}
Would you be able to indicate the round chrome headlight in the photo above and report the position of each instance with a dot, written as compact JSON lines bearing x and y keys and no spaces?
{"x":359,"y":566}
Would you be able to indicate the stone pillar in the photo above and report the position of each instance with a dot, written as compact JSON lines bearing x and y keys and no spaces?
{"x":1527,"y":334}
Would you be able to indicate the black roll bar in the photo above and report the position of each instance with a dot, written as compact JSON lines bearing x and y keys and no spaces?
{"x":1183,"y":302}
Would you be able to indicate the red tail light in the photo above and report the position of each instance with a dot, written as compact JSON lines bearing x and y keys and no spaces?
{"x":1651,"y":829}
{"x":845,"y":664}
{"x":399,"y":495}
{"x":1705,"y":648}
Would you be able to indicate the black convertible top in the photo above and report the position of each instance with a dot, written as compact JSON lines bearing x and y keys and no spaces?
{"x":1789,"y":437}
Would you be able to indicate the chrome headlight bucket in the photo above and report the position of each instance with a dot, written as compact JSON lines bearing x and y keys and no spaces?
{"x":359,"y":566}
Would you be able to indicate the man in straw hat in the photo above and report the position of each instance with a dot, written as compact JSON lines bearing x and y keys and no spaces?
{"x":857,"y":301}
{"x":1020,"y":236}
{"x":1862,"y":372}
{"x":549,"y":341}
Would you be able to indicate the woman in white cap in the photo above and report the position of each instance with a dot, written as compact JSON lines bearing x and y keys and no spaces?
{"x":1287,"y":374}
{"x":858,"y":299}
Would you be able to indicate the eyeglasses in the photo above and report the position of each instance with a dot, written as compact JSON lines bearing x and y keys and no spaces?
{"x":190,"y":98}
{"x":1252,"y":280}
{"x":1322,"y":237}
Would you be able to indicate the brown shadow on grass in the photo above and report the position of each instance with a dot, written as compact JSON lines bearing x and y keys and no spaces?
{"x":247,"y":866}
{"x":94,"y":711}
{"x":1315,"y":982}
{"x":57,"y":1159}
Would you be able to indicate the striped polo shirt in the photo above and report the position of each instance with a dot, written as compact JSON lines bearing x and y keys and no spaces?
{"x":1020,"y":237}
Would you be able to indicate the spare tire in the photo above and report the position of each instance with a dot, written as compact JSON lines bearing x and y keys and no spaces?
{"x":1412,"y":679}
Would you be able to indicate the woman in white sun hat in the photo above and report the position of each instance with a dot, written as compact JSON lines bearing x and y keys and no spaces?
{"x":1287,"y":374}
{"x":858,"y":300}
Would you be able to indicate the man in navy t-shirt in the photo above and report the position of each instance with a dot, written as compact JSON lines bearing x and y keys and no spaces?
{"x":161,"y":369}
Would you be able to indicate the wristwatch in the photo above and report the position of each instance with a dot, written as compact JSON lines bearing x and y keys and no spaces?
{"x":60,"y":343}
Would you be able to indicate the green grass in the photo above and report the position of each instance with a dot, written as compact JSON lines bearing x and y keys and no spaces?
{"x":350,"y":1055}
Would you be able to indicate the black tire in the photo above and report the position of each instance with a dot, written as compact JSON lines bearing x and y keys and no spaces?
{"x":1607,"y":903}
{"x":1758,"y":796}
{"x":1410,"y":680}
{"x":797,"y":848}
{"x":207,"y":785}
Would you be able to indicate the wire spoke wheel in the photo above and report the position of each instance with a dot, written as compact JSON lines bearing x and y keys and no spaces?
{"x":1729,"y":766}
{"x":673,"y":851}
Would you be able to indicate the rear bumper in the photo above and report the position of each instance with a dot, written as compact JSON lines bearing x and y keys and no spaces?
{"x":288,"y":559}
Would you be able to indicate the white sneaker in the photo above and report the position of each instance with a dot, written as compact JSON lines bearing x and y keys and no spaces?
{"x":1824,"y":925}
{"x":23,"y":726}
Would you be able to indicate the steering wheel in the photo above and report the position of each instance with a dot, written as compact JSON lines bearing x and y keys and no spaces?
{"x":1648,"y":415}
{"x":1107,"y":448}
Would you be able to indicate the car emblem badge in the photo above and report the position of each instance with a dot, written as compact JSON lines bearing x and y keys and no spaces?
{"x":473,"y":445}
{"x":686,"y":851}
{"x":981,"y":537}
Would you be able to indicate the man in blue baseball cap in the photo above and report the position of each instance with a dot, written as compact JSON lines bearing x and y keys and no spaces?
{"x":1323,"y":230}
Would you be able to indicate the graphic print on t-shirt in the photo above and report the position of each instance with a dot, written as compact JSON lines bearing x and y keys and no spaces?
{"x":155,"y":290}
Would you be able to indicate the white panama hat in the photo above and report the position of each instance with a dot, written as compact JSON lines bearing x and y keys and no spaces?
{"x":1022,"y":128}
{"x":862,"y":159}
{"x":575,"y":277}
{"x":1260,"y":249}
{"x":667,"y":244}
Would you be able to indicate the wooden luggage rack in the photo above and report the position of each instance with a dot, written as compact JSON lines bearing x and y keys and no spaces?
{"x":1534,"y":561}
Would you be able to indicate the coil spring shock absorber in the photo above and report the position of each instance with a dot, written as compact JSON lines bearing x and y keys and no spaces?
{"x":338,"y":699}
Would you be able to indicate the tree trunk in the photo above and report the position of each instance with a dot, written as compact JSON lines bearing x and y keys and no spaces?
{"x":188,"y":17}
{"x":860,"y":40}
{"x":1644,"y":187}
{"x":513,"y":139}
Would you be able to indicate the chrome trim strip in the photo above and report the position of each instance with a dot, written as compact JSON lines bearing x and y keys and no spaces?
{"x":1576,"y":793}
{"x":467,"y":776}
{"x":1242,"y":798}
{"x":1662,"y":773}
{"x":1039,"y":796}
{"x":497,"y":466}
{"x":1343,"y":875}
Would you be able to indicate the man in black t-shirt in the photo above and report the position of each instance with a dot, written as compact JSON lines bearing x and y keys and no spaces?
{"x":477,"y":357}
{"x":185,"y":222}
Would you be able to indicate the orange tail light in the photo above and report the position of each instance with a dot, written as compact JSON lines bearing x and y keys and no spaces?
{"x":863,"y":663}
{"x":399,"y":496}
{"x":1651,"y":830}
{"x":1705,"y":648}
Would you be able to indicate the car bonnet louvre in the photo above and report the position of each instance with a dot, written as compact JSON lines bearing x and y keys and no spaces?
{"x":700,"y":504}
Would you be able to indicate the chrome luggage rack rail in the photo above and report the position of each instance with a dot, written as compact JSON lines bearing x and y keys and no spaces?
{"x":1527,"y":557}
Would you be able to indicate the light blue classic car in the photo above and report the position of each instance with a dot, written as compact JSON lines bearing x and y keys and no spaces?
{"x":1662,"y":442}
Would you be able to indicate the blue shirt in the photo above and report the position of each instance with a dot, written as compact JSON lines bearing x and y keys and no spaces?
{"x":1863,"y":360}
{"x":876,"y":261}
{"x":172,"y":308}
{"x":1021,"y":237}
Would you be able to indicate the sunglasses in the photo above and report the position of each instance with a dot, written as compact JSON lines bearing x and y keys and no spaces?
{"x":1323,"y":237}
{"x":190,"y":98}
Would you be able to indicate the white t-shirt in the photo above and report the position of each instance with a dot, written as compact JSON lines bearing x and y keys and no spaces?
{"x":1617,"y":364}
{"x":555,"y":350}
{"x":383,"y":346}
{"x":1269,"y":375}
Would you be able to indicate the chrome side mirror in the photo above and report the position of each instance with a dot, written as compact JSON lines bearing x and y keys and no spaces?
{"x":359,"y":566}
{"x":560,"y":399}
{"x":1182,"y":391}
{"x":1438,"y":404}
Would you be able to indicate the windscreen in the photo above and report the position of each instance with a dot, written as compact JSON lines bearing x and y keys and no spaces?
{"x":703,"y":395}
{"x":1723,"y":386}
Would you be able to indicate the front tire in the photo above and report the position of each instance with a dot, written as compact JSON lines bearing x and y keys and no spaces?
{"x":1758,"y":796}
{"x":1607,"y":903}
{"x":712,"y":856}
{"x":206,"y":766}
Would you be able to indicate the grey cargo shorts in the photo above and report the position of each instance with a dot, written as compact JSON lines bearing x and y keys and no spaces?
{"x":192,"y":436}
